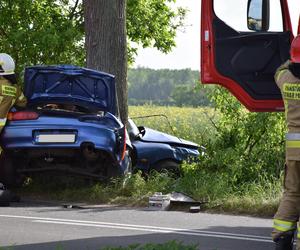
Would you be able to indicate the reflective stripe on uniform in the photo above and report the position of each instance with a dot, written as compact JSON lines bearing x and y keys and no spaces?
{"x":292,"y":140}
{"x":279,"y":74}
{"x":291,"y":91}
{"x":21,"y":97}
{"x":2,"y":122}
{"x":298,"y":232}
{"x":284,"y":226}
{"x":9,"y":90}
{"x":292,"y":144}
{"x":292,"y":136}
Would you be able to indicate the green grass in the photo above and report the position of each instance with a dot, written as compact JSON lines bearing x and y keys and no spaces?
{"x":254,"y":198}
{"x":171,"y":245}
{"x":259,"y":199}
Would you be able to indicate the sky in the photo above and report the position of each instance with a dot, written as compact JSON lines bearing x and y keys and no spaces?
{"x":187,"y":51}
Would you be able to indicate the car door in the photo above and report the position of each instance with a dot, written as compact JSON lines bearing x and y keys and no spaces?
{"x":242,"y":57}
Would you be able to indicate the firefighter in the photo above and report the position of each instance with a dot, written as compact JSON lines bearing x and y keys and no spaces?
{"x":285,"y":220}
{"x":10,"y":93}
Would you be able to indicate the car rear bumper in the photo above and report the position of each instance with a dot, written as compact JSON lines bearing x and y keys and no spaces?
{"x":23,"y":136}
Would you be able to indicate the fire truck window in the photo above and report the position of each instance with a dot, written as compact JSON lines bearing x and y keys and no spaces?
{"x":234,"y":14}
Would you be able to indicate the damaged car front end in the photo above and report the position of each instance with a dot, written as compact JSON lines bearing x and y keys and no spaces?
{"x":155,"y":150}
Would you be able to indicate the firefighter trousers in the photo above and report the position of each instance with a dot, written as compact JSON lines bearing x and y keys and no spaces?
{"x":287,"y":216}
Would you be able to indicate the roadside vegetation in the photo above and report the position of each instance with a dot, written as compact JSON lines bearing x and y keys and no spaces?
{"x":240,"y":172}
{"x":171,"y":245}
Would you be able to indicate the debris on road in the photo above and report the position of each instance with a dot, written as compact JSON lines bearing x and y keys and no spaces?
{"x":89,"y":206}
{"x":174,"y":201}
{"x":194,"y":209}
{"x":158,"y":201}
{"x":72,"y":206}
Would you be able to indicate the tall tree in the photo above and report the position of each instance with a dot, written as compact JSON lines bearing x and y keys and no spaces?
{"x":52,"y":32}
{"x":153,"y":23}
{"x":106,"y":43}
{"x":41,"y":32}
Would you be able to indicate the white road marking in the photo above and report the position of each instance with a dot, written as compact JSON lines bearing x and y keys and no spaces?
{"x":142,"y":228}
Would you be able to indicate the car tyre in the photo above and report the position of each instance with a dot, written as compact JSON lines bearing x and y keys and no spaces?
{"x":167,"y":166}
{"x":7,"y":171}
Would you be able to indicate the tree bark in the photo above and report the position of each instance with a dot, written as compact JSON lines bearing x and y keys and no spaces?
{"x":106,"y":44}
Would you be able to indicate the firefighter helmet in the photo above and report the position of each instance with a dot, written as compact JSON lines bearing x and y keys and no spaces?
{"x":295,"y":50}
{"x":7,"y":65}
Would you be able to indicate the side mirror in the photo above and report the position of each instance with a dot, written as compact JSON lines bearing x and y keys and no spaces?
{"x":258,"y":15}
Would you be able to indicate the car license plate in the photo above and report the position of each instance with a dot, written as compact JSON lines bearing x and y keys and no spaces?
{"x":55,"y":138}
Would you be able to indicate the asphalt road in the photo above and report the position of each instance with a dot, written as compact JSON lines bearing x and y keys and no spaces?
{"x":31,"y":225}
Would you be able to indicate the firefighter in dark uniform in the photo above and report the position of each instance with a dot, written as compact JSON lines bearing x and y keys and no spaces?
{"x":10,"y":93}
{"x":285,"y":221}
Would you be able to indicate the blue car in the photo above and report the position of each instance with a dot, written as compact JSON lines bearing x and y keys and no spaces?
{"x":70,"y":125}
{"x":154,"y":150}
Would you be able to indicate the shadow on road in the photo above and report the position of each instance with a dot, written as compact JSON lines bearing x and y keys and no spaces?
{"x":46,"y":207}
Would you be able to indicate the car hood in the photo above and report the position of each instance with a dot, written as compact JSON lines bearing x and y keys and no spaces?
{"x":68,"y":84}
{"x":152,"y":135}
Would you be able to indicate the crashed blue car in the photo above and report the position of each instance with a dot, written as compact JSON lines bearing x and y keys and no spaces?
{"x":70,"y":125}
{"x":154,"y":150}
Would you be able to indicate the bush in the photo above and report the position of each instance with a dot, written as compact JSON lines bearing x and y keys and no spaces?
{"x":247,"y":144}
{"x":171,"y":245}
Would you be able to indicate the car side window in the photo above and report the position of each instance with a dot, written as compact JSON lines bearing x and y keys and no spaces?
{"x":234,"y":14}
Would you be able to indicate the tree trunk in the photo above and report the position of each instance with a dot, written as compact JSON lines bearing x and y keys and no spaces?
{"x":106,"y":45}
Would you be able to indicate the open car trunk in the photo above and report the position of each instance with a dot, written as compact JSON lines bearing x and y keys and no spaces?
{"x":70,"y":85}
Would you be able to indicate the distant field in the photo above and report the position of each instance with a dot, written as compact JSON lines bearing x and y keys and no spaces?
{"x":189,"y":123}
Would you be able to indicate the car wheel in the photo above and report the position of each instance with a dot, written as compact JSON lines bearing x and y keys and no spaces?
{"x":167,"y":166}
{"x":7,"y":171}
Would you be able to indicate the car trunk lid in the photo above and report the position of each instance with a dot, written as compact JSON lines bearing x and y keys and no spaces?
{"x":67,"y":84}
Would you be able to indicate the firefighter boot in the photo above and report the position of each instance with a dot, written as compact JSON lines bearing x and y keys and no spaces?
{"x":285,"y":241}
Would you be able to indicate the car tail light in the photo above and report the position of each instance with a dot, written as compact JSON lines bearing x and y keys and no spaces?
{"x":22,"y":115}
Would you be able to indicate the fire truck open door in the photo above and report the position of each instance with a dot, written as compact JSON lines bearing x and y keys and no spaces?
{"x":244,"y":58}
